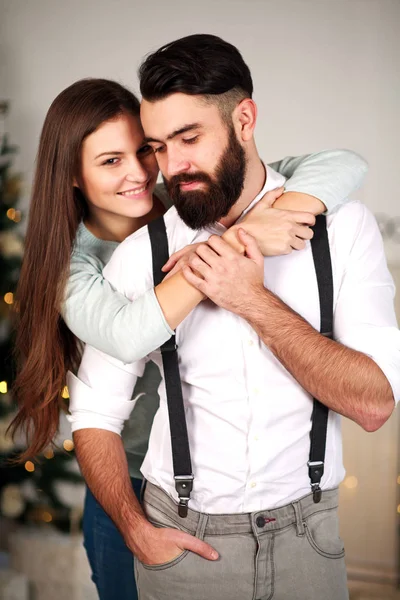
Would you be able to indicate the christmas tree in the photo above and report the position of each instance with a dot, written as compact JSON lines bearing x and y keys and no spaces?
{"x":32,"y":491}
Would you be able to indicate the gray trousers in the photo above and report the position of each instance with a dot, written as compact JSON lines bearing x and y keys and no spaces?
{"x":289,"y":553}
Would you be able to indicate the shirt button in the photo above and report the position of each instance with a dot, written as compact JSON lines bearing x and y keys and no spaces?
{"x":256,"y":391}
{"x":256,"y":438}
{"x":253,"y":484}
{"x":250,"y":342}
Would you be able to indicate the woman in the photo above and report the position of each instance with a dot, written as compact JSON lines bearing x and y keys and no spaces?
{"x":95,"y":184}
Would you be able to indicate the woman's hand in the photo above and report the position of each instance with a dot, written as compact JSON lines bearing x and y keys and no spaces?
{"x":179,"y":259}
{"x":276,"y":231}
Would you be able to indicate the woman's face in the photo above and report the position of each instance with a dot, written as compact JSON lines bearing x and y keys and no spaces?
{"x":119,"y":171}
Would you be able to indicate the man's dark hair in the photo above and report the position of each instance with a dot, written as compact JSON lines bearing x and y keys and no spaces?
{"x":200,"y":64}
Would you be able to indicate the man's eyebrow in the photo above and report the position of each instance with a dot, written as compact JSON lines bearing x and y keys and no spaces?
{"x":172,"y":135}
{"x":114,"y":152}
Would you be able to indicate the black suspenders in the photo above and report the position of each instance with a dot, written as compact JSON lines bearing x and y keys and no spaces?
{"x":176,"y":411}
{"x":323,"y":269}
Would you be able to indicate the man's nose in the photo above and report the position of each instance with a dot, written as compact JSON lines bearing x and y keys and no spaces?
{"x":176,"y":164}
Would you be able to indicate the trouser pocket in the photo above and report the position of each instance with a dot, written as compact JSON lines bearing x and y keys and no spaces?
{"x":157,"y":517}
{"x":192,"y":577}
{"x":308,"y":561}
{"x":322,"y":531}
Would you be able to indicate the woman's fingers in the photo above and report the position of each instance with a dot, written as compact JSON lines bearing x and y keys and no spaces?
{"x":298,"y":244}
{"x":270,"y":197}
{"x":173,"y":259}
{"x":303,"y":232}
{"x":176,"y":256}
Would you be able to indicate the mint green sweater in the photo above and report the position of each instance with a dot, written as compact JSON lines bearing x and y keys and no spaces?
{"x":107,"y":320}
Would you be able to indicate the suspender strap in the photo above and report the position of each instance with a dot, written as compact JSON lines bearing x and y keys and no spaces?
{"x":177,"y":421}
{"x":323,"y":269}
{"x":179,"y":437}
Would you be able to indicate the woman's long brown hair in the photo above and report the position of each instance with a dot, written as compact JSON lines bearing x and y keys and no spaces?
{"x":45,"y":349}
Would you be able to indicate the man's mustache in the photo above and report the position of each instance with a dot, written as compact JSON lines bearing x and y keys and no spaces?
{"x":176,"y":180}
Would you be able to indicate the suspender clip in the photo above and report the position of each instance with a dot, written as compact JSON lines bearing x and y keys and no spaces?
{"x":183,"y":485}
{"x":315,"y":472}
{"x":316,"y":492}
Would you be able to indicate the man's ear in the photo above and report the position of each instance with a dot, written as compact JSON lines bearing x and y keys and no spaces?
{"x":245,"y":117}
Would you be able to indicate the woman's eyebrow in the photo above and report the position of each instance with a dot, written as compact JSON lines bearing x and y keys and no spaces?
{"x":118,"y":152}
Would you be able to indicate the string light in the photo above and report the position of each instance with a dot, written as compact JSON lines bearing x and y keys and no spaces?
{"x":46,"y":517}
{"x":351,"y":482}
{"x":398,"y":509}
{"x":29,"y":466}
{"x":398,"y":480}
{"x":64,"y":393}
{"x":14,"y":215}
{"x":3,"y":387}
{"x":9,"y":298}
{"x":68,"y":445}
{"x":48,"y":453}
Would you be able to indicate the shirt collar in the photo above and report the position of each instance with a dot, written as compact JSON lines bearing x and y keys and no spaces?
{"x":273,"y":180}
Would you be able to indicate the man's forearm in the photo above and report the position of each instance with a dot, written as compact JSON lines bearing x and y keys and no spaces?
{"x":103,"y":463}
{"x":343,"y":379}
{"x":102,"y":459}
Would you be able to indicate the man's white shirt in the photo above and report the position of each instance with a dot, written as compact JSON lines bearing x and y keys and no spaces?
{"x":248,"y":419}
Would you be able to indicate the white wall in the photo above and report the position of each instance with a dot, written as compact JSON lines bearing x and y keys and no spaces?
{"x":326,"y":74}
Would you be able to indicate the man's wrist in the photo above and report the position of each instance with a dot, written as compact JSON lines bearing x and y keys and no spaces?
{"x":138,"y":535}
{"x":254,"y":309}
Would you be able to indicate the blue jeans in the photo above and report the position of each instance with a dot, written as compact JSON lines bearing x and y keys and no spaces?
{"x":110,"y":559}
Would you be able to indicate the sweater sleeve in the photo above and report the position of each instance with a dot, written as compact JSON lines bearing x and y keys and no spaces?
{"x":102,"y":317}
{"x":330,"y":175}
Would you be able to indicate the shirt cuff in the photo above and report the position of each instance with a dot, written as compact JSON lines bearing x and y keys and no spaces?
{"x":391,"y":371}
{"x":382,"y":345}
{"x":91,"y":409}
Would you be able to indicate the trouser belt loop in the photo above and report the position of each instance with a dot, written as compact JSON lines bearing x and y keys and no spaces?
{"x":142,"y":490}
{"x":201,"y":526}
{"x":299,"y":518}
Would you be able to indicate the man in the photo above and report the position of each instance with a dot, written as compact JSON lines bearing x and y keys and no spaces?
{"x":250,"y":362}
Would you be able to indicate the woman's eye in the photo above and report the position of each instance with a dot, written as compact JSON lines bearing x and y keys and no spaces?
{"x":110,"y":161}
{"x":191,"y":140}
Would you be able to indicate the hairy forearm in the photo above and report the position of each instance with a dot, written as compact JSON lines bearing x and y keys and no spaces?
{"x":343,"y":379}
{"x":103,"y":463}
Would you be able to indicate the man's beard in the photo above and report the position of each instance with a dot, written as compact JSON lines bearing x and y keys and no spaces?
{"x":199,"y":208}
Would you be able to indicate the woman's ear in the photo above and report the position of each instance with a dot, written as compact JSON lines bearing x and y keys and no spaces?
{"x":245,"y":115}
{"x":75,"y":183}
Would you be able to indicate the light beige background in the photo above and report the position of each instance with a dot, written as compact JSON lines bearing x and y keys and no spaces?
{"x":326,"y":74}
